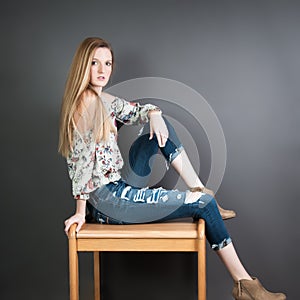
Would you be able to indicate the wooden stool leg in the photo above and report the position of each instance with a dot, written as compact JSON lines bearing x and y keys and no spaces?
{"x":201,"y":261}
{"x":73,"y":264}
{"x":97,"y":275}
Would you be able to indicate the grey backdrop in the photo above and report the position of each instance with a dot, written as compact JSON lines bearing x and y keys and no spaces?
{"x":242,"y":56}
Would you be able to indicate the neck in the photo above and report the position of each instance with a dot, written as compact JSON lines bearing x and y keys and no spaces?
{"x":98,"y":90}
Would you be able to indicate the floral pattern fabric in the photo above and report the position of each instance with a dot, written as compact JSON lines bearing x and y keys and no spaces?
{"x":131,"y":112}
{"x":92,"y":164}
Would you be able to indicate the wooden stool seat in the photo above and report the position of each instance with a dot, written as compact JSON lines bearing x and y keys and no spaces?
{"x":179,"y":236}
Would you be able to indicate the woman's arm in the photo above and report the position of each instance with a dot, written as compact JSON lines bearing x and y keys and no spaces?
{"x":131,"y":113}
{"x":158,"y":127}
{"x":81,"y":159}
{"x":78,"y":217}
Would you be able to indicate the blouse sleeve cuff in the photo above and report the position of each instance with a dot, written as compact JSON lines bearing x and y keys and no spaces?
{"x":147,"y":109}
{"x":155,"y":109}
{"x":82,"y":197}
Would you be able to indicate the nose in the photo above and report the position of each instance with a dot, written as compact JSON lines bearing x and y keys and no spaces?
{"x":100,"y":68}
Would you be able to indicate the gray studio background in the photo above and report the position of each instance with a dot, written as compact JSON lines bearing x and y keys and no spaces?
{"x":241,"y":56}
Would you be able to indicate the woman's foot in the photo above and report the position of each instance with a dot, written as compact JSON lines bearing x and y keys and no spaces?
{"x":225,"y":213}
{"x":253,"y":290}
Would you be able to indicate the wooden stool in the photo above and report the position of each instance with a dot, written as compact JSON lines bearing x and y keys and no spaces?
{"x":179,"y":236}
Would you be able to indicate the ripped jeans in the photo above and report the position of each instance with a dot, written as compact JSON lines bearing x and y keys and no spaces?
{"x":122,"y":203}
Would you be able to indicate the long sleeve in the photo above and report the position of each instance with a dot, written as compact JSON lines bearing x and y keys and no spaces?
{"x":81,"y":164}
{"x":131,"y":113}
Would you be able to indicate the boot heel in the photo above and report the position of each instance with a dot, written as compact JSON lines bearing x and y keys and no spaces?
{"x":253,"y":290}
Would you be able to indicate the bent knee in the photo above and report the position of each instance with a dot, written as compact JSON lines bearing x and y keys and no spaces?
{"x":192,"y":197}
{"x":202,"y":198}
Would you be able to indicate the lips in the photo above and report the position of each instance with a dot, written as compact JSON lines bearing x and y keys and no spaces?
{"x":101,"y":78}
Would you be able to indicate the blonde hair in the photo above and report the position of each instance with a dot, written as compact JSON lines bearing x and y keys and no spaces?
{"x":77,"y":91}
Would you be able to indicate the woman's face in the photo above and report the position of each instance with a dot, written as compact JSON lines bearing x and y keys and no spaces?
{"x":101,"y":68}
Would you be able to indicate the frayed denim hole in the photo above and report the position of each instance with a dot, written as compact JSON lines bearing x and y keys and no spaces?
{"x":221,"y":245}
{"x":207,"y":199}
{"x":174,"y":154}
{"x":99,"y":218}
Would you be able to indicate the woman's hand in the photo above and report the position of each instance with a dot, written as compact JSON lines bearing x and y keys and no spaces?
{"x":77,"y":218}
{"x":159,"y":128}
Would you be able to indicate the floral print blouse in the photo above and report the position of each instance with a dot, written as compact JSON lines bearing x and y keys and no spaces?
{"x":92,"y":164}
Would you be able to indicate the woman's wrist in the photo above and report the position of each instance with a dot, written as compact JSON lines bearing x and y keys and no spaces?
{"x":81,"y":207}
{"x":156,"y":111}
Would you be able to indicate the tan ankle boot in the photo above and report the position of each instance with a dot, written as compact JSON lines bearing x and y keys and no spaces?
{"x":253,"y":290}
{"x":225,"y":213}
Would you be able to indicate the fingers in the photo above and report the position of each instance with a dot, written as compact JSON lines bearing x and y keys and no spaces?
{"x":151,"y":133}
{"x":159,"y":128}
{"x":75,"y":219}
{"x":67,"y":227}
{"x":79,"y":225}
{"x":68,"y":224}
{"x":161,"y":139}
{"x":162,"y":136}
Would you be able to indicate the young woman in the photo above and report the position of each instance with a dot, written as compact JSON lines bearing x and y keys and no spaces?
{"x":88,"y":140}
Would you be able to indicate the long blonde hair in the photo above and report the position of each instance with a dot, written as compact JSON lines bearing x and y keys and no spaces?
{"x":77,"y":88}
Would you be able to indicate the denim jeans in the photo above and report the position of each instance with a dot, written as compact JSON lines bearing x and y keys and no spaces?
{"x":122,"y":203}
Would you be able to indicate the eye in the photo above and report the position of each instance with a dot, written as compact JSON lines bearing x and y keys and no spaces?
{"x":108,"y":63}
{"x":94,"y":63}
